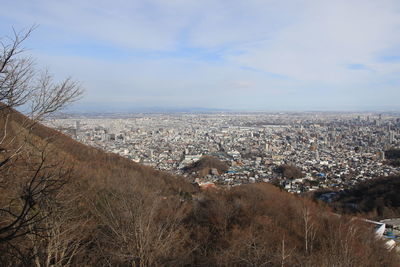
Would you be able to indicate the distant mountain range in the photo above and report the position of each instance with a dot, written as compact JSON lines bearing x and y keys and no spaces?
{"x":132,"y":108}
{"x":125,"y":108}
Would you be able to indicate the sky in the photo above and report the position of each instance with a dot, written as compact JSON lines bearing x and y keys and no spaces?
{"x":253,"y":55}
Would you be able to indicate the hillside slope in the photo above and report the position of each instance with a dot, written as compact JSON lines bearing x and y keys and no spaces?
{"x":104,"y":210}
{"x":88,"y":162}
{"x":377,"y":198}
{"x":205,"y":164}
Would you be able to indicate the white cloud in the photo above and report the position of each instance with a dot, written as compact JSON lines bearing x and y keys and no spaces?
{"x":267,"y":50}
{"x":330,"y":36}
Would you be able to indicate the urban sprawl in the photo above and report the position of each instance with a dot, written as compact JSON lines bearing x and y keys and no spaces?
{"x":333,"y":150}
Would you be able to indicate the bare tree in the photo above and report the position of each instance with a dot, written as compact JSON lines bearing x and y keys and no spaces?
{"x":142,"y":229}
{"x":28,"y":176}
{"x":64,"y":235}
{"x":31,"y":181}
{"x":16,"y":73}
{"x":309,"y":229}
{"x":22,"y":85}
{"x":285,"y":253}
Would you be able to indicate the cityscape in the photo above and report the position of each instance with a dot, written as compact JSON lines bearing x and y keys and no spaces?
{"x":332,"y":150}
{"x":200,"y":133}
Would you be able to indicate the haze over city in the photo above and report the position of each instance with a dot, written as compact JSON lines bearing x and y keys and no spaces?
{"x":229,"y":55}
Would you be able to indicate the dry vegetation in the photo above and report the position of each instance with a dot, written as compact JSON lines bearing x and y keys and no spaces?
{"x":377,"y":198}
{"x":205,"y":164}
{"x":393,"y":156}
{"x":290,"y":171}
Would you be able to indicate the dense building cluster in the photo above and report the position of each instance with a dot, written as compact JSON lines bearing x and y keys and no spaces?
{"x":331,"y":149}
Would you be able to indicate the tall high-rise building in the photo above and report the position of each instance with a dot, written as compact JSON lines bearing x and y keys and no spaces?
{"x":266,"y":147}
{"x":391,"y":137}
{"x":77,"y":125}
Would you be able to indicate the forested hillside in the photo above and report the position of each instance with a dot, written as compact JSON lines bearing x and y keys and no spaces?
{"x":203,"y":166}
{"x":378,"y":198}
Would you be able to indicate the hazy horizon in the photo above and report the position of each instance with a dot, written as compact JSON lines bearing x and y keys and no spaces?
{"x":243,"y":56}
{"x":125,"y":108}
